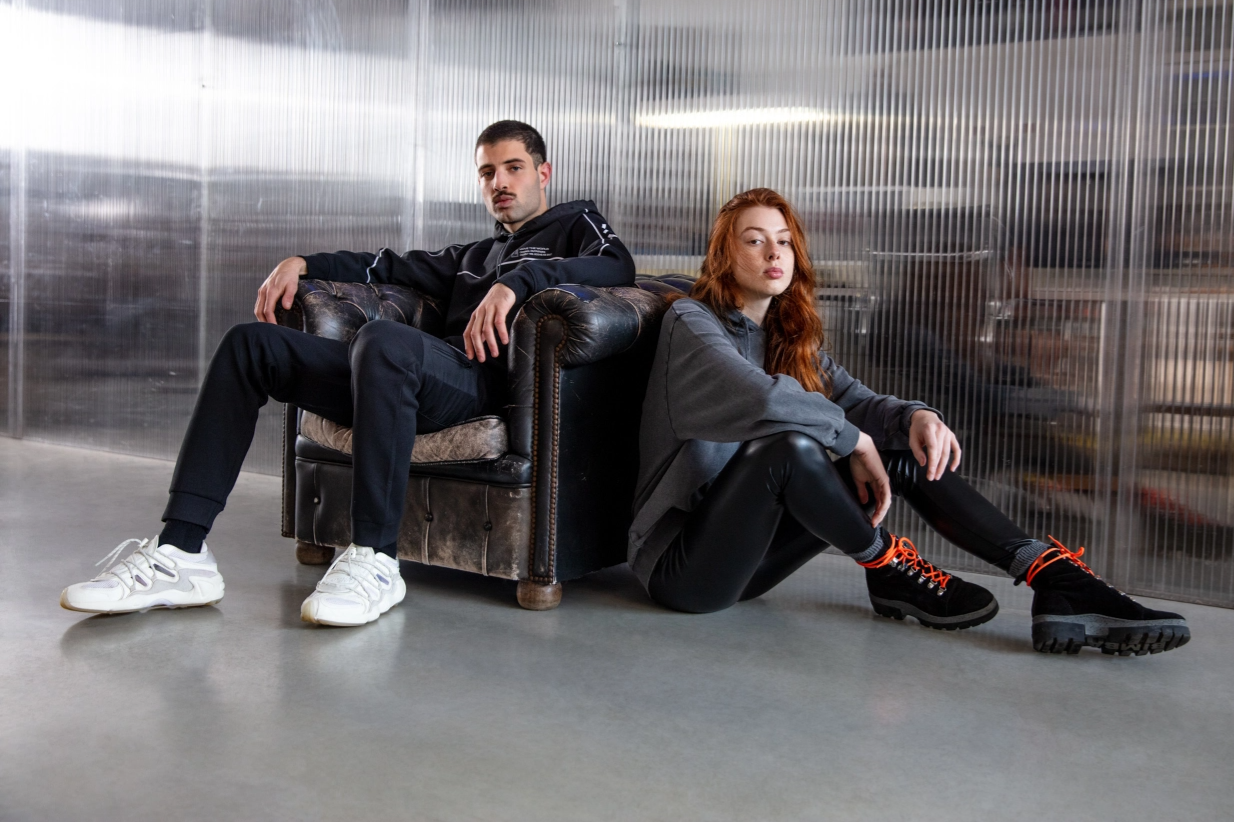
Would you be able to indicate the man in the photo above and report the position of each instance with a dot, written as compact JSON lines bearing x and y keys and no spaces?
{"x":390,"y":383}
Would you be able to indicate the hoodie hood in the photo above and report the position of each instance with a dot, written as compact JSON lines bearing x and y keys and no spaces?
{"x":557,"y":213}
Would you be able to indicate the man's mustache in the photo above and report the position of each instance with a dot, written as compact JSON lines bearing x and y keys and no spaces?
{"x":501,"y":194}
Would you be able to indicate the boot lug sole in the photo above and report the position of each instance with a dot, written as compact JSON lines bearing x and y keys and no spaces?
{"x":1114,"y":637}
{"x":894,"y":609}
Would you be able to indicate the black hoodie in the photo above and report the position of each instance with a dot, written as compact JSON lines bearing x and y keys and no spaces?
{"x":569,"y":243}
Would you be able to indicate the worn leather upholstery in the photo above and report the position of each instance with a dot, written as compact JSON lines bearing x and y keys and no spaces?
{"x":337,"y":310}
{"x":472,"y":526}
{"x":580,"y":325}
{"x":508,"y":469}
{"x":579,"y":360}
{"x":554,"y":506}
{"x":480,"y":439}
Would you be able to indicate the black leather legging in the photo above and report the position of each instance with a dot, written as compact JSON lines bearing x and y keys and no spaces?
{"x":781,"y":500}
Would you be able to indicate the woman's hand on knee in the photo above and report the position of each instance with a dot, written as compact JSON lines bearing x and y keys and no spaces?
{"x":933,"y":443}
{"x":870,"y":477}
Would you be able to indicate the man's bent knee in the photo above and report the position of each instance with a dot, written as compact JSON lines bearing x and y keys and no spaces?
{"x":387,"y":341}
{"x":246,"y":337}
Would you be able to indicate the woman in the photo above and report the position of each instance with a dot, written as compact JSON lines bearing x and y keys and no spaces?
{"x":737,"y":488}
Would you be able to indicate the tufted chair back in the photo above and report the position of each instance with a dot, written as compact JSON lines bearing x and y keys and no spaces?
{"x":337,"y":310}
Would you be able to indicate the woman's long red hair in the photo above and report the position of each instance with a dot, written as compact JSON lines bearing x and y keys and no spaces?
{"x":794,"y":331}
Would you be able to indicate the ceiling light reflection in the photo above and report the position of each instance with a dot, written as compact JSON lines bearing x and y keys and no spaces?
{"x":734,"y":117}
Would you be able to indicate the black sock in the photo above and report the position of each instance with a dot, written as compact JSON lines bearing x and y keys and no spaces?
{"x":390,"y":550}
{"x":187,"y":536}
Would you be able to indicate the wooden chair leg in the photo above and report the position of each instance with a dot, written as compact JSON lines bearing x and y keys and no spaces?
{"x":535,"y":596}
{"x":310,"y":553}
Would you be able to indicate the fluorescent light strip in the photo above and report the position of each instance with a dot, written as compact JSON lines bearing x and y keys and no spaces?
{"x":733,"y":117}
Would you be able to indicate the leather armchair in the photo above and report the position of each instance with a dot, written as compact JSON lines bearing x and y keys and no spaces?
{"x":542,"y":495}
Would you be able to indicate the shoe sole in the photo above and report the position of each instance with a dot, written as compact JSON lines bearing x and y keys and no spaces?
{"x":307,"y":615}
{"x":147,"y":604}
{"x":898,"y":610}
{"x":1115,"y":637}
{"x":170,"y":606}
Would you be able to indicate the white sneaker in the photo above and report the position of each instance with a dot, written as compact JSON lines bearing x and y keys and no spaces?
{"x":360,"y":586}
{"x":153,"y":576}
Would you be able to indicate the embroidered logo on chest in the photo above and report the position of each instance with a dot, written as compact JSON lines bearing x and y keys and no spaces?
{"x":531,"y":251}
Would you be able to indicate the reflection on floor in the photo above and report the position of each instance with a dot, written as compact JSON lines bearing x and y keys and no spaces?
{"x":459,"y":706}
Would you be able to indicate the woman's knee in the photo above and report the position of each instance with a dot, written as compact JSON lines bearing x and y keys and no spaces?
{"x":786,"y":445}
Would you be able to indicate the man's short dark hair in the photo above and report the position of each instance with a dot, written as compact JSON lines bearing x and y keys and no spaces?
{"x":514,"y":130}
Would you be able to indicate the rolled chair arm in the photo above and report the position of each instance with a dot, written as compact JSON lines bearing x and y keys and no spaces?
{"x":596,"y":322}
{"x":570,"y":326}
{"x":337,"y":310}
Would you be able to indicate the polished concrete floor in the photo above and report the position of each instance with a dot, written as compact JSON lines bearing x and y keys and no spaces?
{"x":460,"y":706}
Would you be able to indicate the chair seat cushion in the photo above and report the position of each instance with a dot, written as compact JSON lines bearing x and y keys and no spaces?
{"x":475,"y":440}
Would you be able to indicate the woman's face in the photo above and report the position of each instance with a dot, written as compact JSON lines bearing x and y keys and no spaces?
{"x":763,"y":259}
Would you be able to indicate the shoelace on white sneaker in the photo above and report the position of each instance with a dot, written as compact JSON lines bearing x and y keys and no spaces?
{"x":350,"y":572}
{"x":137,"y":566}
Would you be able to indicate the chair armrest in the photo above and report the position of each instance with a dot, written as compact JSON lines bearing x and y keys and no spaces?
{"x":337,"y":310}
{"x":596,"y":322}
{"x":566,"y":327}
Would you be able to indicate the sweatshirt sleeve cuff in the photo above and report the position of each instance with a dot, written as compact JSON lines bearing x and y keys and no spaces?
{"x":846,"y":441}
{"x":516,"y":284}
{"x":317,"y":266}
{"x":907,"y":420}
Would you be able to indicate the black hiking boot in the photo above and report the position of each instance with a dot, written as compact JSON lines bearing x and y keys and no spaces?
{"x":1073,"y":607}
{"x":902,"y":584}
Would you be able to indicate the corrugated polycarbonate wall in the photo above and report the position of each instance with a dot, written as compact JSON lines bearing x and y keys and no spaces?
{"x":1021,"y":212}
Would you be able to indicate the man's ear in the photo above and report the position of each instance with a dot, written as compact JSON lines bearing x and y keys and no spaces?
{"x":546,"y":174}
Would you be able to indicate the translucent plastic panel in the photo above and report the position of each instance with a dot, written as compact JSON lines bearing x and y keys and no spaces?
{"x":1021,"y":212}
{"x":7,"y":304}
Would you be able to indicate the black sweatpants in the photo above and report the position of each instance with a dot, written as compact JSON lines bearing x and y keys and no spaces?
{"x":390,"y":383}
{"x":781,"y":500}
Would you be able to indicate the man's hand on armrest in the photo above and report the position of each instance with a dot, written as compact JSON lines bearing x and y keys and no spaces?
{"x":488,"y":322}
{"x":279,"y":287}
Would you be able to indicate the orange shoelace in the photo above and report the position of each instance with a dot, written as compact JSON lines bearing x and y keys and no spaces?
{"x":1057,"y":552}
{"x":903,"y":552}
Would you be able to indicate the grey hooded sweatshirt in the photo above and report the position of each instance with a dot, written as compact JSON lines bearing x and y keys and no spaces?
{"x":708,"y":393}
